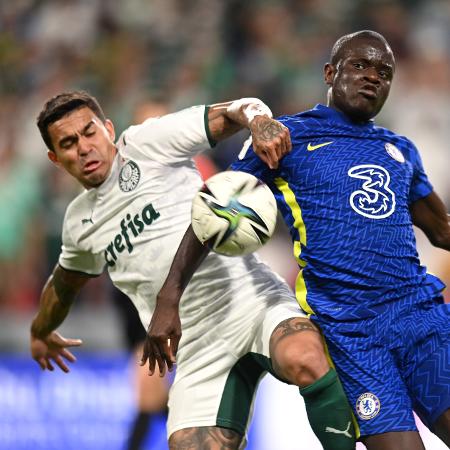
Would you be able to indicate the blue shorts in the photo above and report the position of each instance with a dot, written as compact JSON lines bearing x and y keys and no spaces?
{"x":393,"y":364}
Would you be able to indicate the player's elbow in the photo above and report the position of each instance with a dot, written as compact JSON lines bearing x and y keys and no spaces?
{"x":440,"y":240}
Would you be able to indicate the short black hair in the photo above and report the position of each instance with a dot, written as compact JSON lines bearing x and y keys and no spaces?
{"x":62,"y":104}
{"x":339,"y":47}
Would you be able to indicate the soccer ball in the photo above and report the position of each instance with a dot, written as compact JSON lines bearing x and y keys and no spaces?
{"x":234,"y":213}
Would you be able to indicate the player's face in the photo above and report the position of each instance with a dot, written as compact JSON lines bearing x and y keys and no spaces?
{"x":84,"y":146}
{"x":360,"y":82}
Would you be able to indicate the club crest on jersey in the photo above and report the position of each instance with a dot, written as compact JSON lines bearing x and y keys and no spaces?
{"x":394,"y":152}
{"x":129,"y":176}
{"x":368,"y":406}
{"x":374,"y":199}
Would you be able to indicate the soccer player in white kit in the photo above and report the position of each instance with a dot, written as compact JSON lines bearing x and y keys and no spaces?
{"x":239,"y":319}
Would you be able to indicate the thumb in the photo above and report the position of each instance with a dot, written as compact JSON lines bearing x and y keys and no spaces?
{"x":72,"y":342}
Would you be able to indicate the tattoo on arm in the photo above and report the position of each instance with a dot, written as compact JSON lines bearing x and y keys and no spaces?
{"x":266,"y":130}
{"x":206,"y":438}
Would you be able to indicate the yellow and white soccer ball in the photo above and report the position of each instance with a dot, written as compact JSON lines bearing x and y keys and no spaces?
{"x":234,"y":213}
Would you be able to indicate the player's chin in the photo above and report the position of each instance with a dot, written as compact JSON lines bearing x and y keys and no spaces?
{"x":364,"y":109}
{"x":93,"y":180}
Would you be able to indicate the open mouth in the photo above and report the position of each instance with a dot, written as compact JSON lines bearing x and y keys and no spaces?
{"x":91,"y":167}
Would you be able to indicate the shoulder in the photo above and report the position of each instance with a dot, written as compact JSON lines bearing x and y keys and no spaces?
{"x":404,"y":144}
{"x":76,"y":211}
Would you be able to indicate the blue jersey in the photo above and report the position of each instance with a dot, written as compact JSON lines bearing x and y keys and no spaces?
{"x":344,"y":191}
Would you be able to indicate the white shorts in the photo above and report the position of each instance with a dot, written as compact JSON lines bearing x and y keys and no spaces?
{"x":224,"y":350}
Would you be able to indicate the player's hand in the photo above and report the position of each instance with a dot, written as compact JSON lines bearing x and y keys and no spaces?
{"x":52,"y":349}
{"x":163,"y":336}
{"x":271,"y":140}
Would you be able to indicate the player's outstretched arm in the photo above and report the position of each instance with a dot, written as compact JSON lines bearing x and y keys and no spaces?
{"x":430,"y":215}
{"x":46,"y":345}
{"x":164,"y":331}
{"x":271,"y":139}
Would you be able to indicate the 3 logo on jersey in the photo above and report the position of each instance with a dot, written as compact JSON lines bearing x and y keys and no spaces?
{"x":135,"y":225}
{"x":375,"y":200}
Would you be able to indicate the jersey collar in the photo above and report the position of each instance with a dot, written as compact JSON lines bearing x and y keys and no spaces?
{"x":333,"y":115}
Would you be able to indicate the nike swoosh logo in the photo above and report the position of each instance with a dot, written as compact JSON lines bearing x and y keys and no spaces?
{"x":311,"y":147}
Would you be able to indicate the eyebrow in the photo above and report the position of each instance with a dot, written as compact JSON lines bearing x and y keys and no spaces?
{"x":72,"y":137}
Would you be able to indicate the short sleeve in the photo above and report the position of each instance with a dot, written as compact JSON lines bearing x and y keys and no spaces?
{"x":420,"y":185}
{"x":171,"y":138}
{"x":74,"y":258}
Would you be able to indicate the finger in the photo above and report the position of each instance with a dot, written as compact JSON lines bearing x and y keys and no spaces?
{"x":144,"y":356}
{"x":288,"y":140}
{"x":68,"y":355}
{"x":281,"y":148}
{"x":264,"y":156}
{"x":151,"y":359}
{"x":160,"y":359}
{"x":271,"y":152}
{"x":61,"y":364}
{"x":168,"y":357}
{"x":72,"y":342}
{"x":173,"y":348}
{"x":49,"y":365}
{"x":42,"y":363}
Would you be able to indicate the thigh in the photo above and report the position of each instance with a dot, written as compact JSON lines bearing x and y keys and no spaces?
{"x":442,"y":427}
{"x":427,"y":363}
{"x":371,"y":380}
{"x":403,"y":440}
{"x":212,"y":438}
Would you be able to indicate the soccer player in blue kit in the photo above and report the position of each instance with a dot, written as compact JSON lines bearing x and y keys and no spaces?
{"x":350,"y":192}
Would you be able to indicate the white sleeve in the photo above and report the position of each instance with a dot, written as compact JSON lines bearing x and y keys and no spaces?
{"x":74,"y":258}
{"x":171,"y":138}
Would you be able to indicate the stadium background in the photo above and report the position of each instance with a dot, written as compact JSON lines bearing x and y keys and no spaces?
{"x":156,"y":55}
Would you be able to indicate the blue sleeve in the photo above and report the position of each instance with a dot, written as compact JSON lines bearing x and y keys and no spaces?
{"x":252,"y":164}
{"x":420,"y":185}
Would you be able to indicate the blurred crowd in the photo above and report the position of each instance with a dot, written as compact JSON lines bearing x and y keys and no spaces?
{"x":146,"y":56}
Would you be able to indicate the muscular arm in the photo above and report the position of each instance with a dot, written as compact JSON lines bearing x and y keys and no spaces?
{"x":271,"y":139}
{"x":164,"y":331}
{"x":46,"y":345}
{"x":430,"y":215}
{"x":56,"y":299}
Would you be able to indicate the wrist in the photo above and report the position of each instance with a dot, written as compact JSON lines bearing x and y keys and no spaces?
{"x":248,"y":109}
{"x":38,"y":332}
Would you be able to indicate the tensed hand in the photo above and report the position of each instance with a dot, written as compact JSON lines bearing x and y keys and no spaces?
{"x":271,"y":140}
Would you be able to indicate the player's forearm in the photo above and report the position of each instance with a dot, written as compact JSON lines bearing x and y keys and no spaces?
{"x":189,"y":256}
{"x":56,"y":299}
{"x":227,"y":118}
{"x":52,"y":310}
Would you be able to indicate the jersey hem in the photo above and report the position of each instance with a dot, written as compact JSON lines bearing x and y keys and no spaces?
{"x":92,"y":275}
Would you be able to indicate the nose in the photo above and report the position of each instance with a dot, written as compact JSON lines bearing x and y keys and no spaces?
{"x":371,"y":75}
{"x":83,"y":146}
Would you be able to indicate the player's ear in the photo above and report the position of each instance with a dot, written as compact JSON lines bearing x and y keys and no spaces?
{"x":53,"y":158}
{"x":329,"y":71}
{"x":110,"y":128}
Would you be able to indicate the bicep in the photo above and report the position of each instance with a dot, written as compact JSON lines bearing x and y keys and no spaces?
{"x":430,"y":215}
{"x":219,"y":125}
{"x":67,"y":283}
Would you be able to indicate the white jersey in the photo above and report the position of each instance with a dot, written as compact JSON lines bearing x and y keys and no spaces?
{"x":133,"y":224}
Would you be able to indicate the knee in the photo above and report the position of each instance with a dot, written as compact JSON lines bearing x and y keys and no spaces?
{"x":301,"y":364}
